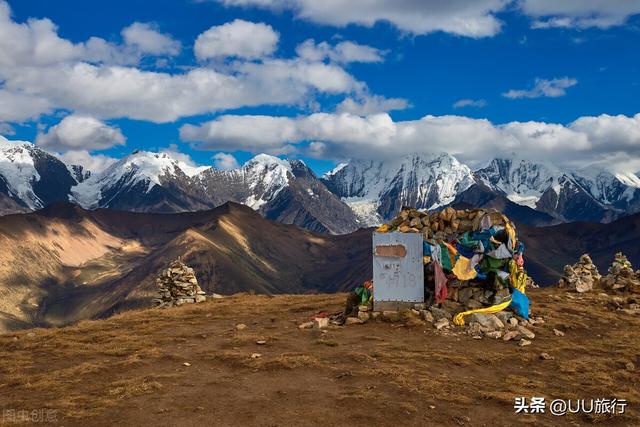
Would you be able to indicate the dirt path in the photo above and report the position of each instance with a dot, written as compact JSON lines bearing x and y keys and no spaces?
{"x":128,"y":370}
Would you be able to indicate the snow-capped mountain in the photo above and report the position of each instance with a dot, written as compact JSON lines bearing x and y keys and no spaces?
{"x":358,"y":193}
{"x":143,"y":182}
{"x":376,"y":190}
{"x":581,"y":195}
{"x":30,"y":178}
{"x":283,"y":190}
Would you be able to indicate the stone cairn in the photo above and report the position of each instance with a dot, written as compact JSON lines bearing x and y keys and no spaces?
{"x":580,"y":277}
{"x":178,"y":285}
{"x":462,"y":295}
{"x":621,"y":277}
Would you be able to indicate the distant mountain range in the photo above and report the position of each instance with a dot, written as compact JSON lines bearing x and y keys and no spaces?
{"x":355,"y":194}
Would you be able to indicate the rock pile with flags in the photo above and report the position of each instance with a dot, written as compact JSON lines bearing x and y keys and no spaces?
{"x":474,"y":271}
{"x":178,"y":285}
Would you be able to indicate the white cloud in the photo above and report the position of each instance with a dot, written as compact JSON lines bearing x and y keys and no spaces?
{"x":371,"y":104}
{"x":76,"y":132}
{"x":225,"y":161}
{"x":17,"y":106}
{"x":579,"y":13}
{"x":470,"y":18}
{"x":239,"y":38}
{"x":7,"y":129}
{"x":343,"y":52}
{"x":149,"y":40}
{"x":95,"y":163}
{"x":552,"y":88}
{"x":605,"y":139}
{"x":477,"y":103}
{"x":43,"y":72}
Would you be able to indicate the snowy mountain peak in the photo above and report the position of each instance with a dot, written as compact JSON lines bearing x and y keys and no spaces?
{"x":376,"y":190}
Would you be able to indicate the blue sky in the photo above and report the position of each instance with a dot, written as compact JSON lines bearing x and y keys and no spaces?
{"x":562,"y":63}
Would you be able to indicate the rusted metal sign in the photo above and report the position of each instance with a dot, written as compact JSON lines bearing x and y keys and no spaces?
{"x":398,"y":274}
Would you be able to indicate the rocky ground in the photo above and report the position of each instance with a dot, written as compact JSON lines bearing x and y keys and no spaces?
{"x":244,"y":360}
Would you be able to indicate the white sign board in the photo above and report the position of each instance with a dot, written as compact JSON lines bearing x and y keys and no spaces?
{"x":398,"y":272}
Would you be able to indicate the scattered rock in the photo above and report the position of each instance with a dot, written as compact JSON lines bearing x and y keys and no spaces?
{"x":186,"y":364}
{"x":546,"y":356}
{"x":261,"y":342}
{"x":321,"y":322}
{"x":558,"y":332}
{"x":305,"y":325}
{"x":353,"y":321}
{"x":489,"y":321}
{"x":256,"y":355}
{"x":524,"y":343}
{"x":510,"y":335}
{"x":241,"y":326}
{"x":391,"y":316}
{"x":415,"y":322}
{"x":630,"y":366}
{"x":441,"y":323}
{"x":427,"y":316}
{"x":439,"y":313}
{"x":526,"y":332}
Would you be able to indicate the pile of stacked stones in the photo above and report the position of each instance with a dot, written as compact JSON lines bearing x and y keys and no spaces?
{"x":502,"y":325}
{"x":621,"y":277}
{"x":441,"y":224}
{"x":178,"y":285}
{"x":580,"y":277}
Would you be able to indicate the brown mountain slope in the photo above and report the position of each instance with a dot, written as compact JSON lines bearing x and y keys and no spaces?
{"x":63,"y":264}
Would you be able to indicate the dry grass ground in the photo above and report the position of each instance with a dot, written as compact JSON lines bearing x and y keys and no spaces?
{"x":129,"y":369}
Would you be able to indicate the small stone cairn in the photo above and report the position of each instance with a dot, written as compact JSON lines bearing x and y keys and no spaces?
{"x":621,"y":277}
{"x":580,"y":277}
{"x":178,"y":285}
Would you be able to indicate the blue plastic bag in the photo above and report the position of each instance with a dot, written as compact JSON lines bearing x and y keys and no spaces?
{"x":520,"y":304}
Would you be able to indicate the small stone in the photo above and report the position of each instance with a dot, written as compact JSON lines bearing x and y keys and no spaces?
{"x":364,"y":316}
{"x":439,"y":313}
{"x":420,"y":306}
{"x":241,"y":326}
{"x":494,"y":334}
{"x":352,"y":321}
{"x":186,"y":364}
{"x":441,"y":323}
{"x":524,"y":343}
{"x":513,"y":322}
{"x":261,"y":342}
{"x":426,"y":316}
{"x":558,"y":332}
{"x":526,"y":332}
{"x":305,"y":325}
{"x":630,"y":366}
{"x":546,"y":356}
{"x":415,"y":322}
{"x":504,"y":316}
{"x":200,"y":298}
{"x":489,"y":321}
{"x":363,"y":307}
{"x":256,"y":355}
{"x":510,"y":335}
{"x":375,"y":315}
{"x":321,"y":322}
{"x":391,"y":316}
